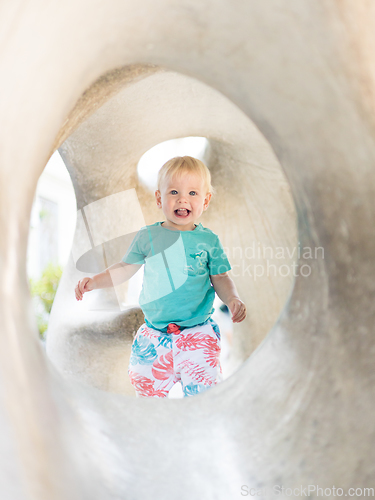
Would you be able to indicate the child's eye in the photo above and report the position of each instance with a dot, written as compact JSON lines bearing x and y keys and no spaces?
{"x":193,"y":193}
{"x":173,"y":191}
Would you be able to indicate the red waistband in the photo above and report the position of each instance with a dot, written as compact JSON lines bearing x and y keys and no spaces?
{"x":173,"y":328}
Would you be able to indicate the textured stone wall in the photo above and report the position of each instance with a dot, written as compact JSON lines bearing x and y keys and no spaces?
{"x":95,"y":79}
{"x":252,"y":207}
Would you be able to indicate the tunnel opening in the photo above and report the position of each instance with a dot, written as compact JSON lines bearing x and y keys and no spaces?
{"x":252,"y":211}
{"x":51,"y":232}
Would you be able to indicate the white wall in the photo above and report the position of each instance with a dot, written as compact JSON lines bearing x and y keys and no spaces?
{"x":52,"y":236}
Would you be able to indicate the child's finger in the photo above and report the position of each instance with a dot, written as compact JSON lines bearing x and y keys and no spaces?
{"x":240,"y":314}
{"x":243,"y":315}
{"x":236,"y":317}
{"x":236,"y":309}
{"x":82,"y":285}
{"x":240,"y":317}
{"x":78,"y":291}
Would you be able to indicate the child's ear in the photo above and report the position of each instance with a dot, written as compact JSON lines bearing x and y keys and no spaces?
{"x":207,"y":201}
{"x":158,"y":198}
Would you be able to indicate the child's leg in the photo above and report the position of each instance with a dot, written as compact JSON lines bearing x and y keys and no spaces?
{"x":151,"y":368}
{"x":197,"y":358}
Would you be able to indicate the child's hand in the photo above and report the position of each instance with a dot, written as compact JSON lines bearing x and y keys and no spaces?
{"x":238,"y":310}
{"x":84,"y":285}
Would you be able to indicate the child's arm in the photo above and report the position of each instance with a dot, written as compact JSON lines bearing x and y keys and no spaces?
{"x":114,"y":275}
{"x":227,"y":292}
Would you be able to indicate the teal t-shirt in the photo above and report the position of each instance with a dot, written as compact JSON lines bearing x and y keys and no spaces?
{"x":178,"y":264}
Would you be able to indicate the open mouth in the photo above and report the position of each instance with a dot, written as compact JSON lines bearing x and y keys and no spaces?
{"x":182,"y":212}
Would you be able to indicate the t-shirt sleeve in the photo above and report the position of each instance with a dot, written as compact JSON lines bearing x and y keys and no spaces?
{"x":135,"y":253}
{"x":217,"y":260}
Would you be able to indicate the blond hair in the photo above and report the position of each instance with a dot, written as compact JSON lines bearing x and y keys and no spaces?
{"x":185,"y":164}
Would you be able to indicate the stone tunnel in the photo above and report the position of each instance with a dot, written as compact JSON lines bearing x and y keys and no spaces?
{"x":284,"y":93}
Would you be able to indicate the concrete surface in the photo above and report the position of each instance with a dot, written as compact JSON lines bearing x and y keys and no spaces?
{"x":300,"y":410}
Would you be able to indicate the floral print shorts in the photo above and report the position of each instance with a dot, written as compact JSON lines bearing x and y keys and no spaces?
{"x":190,"y":356}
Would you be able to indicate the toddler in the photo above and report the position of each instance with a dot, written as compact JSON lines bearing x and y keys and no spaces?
{"x":185,"y":264}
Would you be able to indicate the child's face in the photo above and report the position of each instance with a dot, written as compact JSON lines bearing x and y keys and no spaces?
{"x":183,"y":199}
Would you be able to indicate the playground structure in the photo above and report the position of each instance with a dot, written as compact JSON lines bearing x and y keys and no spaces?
{"x":281,"y":92}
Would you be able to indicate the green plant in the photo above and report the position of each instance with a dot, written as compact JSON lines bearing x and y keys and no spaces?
{"x":44,"y":291}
